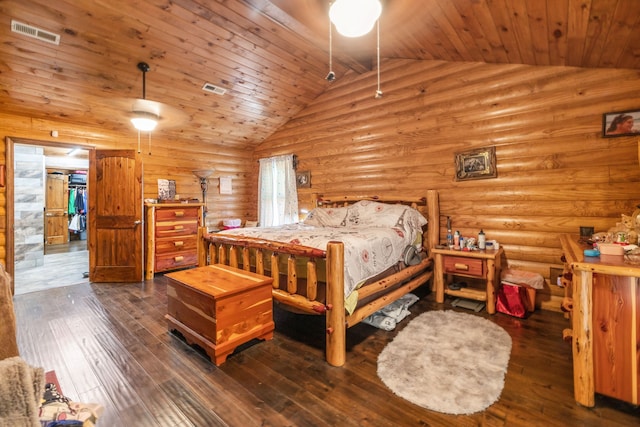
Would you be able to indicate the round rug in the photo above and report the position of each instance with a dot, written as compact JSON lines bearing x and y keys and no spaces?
{"x":447,"y":361}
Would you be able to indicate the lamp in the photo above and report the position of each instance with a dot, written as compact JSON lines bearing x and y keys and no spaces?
{"x":144,"y":121}
{"x":203,"y":174}
{"x":354,"y":18}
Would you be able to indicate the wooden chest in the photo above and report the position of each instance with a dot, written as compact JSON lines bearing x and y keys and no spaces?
{"x":171,"y":236}
{"x":219,"y":308}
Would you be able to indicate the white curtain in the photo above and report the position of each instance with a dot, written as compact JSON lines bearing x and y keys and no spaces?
{"x":277,"y":193}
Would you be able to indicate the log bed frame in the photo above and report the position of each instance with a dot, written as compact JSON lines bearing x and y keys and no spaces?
{"x":238,"y":252}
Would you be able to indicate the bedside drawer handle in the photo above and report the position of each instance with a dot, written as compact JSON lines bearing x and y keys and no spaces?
{"x":178,"y":243}
{"x":178,"y":258}
{"x":459,"y":266}
{"x":178,"y":227}
{"x":179,"y":213}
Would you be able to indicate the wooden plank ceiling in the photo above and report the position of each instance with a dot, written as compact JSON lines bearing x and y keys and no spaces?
{"x":271,"y":56}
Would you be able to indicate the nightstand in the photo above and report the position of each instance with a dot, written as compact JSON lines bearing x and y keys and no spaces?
{"x":473,"y":264}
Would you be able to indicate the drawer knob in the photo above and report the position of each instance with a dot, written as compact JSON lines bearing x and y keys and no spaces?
{"x":179,"y":213}
{"x":178,"y":258}
{"x":460,"y":266}
{"x":178,"y":243}
{"x":178,"y":227}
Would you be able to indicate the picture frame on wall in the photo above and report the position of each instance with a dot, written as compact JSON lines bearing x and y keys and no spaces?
{"x":303,"y":179}
{"x":476,"y":164}
{"x":621,"y":123}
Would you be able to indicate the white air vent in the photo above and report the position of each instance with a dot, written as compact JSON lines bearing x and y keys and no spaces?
{"x":214,"y":89}
{"x":37,"y":33}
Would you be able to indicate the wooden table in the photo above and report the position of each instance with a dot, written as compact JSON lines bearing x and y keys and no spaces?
{"x":475,"y":264}
{"x":605,"y":324}
{"x":219,"y":308}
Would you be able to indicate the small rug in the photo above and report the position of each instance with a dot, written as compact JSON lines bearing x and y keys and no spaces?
{"x":449,"y":362}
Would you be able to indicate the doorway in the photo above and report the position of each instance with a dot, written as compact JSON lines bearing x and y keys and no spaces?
{"x":46,"y":254}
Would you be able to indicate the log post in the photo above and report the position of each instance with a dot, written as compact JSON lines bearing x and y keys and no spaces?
{"x":312,"y":279}
{"x":259,"y":262}
{"x":233,"y":256}
{"x":222,"y":254}
{"x":246,"y":259}
{"x":582,"y":322}
{"x":336,"y":347}
{"x":275,"y":270}
{"x":212,"y":254}
{"x":292,"y":275}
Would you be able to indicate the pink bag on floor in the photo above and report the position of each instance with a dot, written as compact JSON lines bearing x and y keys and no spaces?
{"x":511,"y":300}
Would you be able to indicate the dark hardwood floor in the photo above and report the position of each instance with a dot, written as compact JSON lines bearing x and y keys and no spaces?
{"x":108,"y":343}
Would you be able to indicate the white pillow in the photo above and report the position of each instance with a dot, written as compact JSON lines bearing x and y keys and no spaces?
{"x":326,"y":217}
{"x":368,"y":213}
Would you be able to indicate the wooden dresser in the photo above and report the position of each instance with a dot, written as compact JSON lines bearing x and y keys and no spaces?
{"x":604,"y":300}
{"x":171,"y":236}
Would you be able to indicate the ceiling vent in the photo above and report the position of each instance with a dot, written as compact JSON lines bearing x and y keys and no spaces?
{"x":37,"y":33}
{"x":208,"y":87}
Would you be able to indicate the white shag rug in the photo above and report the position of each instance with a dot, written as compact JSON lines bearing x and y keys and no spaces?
{"x":447,"y":361}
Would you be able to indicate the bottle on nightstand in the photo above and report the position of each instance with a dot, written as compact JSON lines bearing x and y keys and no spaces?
{"x":449,"y":234}
{"x":481,"y":240}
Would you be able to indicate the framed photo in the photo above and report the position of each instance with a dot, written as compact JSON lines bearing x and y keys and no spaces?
{"x":621,"y":123}
{"x":476,"y":164}
{"x":303,"y":179}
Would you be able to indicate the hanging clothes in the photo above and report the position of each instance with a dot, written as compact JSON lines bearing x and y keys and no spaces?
{"x":72,"y":201}
{"x":80,"y":201}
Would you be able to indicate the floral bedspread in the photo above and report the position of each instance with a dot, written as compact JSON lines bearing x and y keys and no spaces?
{"x":374,"y":235}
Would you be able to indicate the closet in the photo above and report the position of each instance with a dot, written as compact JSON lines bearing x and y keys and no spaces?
{"x":77,"y":210}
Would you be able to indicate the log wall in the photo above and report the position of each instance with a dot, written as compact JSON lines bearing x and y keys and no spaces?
{"x":555,"y":171}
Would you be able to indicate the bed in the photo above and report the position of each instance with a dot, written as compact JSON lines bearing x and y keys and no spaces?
{"x":315,"y":276}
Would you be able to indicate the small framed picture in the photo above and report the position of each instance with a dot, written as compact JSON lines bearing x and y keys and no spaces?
{"x":303,"y":179}
{"x":476,"y":164}
{"x":621,"y":123}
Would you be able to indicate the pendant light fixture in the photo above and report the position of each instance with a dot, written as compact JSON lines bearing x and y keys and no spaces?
{"x":145,"y":121}
{"x":354,"y":18}
{"x":144,"y":118}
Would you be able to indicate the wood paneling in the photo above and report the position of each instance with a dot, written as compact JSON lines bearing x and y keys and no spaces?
{"x":272,"y":56}
{"x":555,"y":171}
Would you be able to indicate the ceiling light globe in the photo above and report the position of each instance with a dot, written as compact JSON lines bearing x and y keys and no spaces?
{"x":144,"y":124}
{"x":354,"y":18}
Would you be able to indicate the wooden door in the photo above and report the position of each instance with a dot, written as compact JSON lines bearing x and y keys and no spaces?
{"x":115,"y":216}
{"x":56,"y":225}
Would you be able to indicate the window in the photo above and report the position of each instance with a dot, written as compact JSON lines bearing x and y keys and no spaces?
{"x":277,"y":194}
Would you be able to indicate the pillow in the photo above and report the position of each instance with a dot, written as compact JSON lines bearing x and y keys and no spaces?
{"x":326,"y":217}
{"x":366,"y":213}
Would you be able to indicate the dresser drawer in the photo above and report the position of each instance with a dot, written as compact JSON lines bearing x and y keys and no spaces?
{"x":176,"y":260}
{"x":192,"y":212}
{"x":176,"y":228}
{"x":176,"y":244}
{"x":461,"y":265}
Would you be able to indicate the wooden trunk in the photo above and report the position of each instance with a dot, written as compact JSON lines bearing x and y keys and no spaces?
{"x":219,"y":308}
